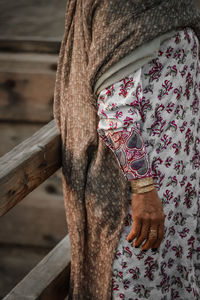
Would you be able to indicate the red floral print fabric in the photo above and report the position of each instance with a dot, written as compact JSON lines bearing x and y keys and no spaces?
{"x":165,"y":95}
{"x":120,"y":123}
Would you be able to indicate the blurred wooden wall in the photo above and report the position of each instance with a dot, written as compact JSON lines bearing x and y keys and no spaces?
{"x":29,"y":45}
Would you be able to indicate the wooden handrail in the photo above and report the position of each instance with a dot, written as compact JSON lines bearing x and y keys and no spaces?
{"x":29,"y":164}
{"x":22,"y":170}
{"x":49,"y":280}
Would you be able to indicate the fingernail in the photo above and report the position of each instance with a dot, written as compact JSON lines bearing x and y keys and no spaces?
{"x":134,"y":244}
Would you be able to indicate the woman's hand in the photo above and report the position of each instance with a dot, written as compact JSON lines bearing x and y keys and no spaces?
{"x":148,"y":220}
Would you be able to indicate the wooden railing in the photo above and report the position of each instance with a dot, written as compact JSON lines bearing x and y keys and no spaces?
{"x":22,"y":170}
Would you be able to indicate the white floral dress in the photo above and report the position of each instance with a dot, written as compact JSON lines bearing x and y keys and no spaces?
{"x":151,"y":121}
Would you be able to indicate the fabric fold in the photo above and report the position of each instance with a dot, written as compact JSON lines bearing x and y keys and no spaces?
{"x":97,"y":34}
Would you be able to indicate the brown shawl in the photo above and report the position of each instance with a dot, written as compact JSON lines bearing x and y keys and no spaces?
{"x":97,"y":34}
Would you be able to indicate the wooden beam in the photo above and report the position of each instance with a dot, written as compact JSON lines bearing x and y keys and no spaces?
{"x":49,"y":280}
{"x":14,"y":133}
{"x":28,"y":165}
{"x":23,"y":44}
{"x":27,"y":86}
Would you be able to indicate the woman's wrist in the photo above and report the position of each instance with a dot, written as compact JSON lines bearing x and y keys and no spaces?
{"x":142,"y":185}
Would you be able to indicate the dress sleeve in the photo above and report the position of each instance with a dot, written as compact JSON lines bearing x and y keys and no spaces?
{"x":119,"y":128}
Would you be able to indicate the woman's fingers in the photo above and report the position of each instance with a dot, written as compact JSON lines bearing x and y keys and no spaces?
{"x":155,"y":235}
{"x":142,"y":230}
{"x":135,"y":231}
{"x":143,"y":233}
{"x":152,"y":238}
{"x":148,"y":220}
{"x":160,"y":236}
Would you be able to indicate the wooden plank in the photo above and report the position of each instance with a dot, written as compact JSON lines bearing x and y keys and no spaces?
{"x":27,"y":86}
{"x":30,"y":21}
{"x":197,"y":3}
{"x":13,"y":133}
{"x":28,"y":165}
{"x":49,"y":280}
{"x":50,"y":46}
{"x":28,"y":62}
{"x":16,"y":262}
{"x":33,"y":227}
{"x":26,"y":97}
{"x":37,"y":221}
{"x":30,"y":230}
